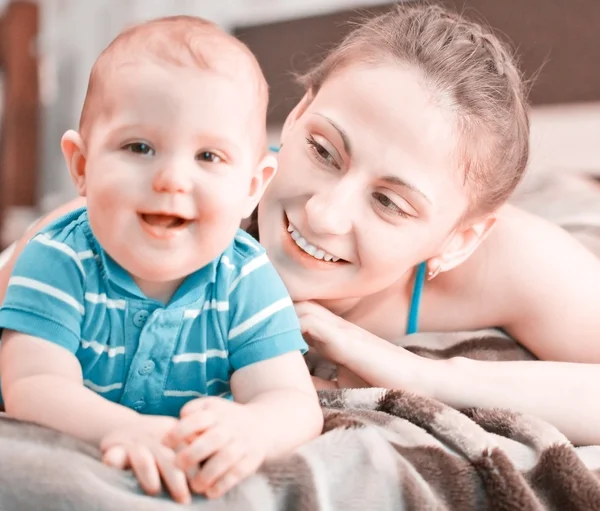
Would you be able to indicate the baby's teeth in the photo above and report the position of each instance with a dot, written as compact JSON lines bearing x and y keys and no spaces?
{"x":295,"y":235}
{"x":290,"y":228}
{"x":310,"y":250}
{"x":335,"y":259}
{"x":319,"y":254}
{"x":328,"y":257}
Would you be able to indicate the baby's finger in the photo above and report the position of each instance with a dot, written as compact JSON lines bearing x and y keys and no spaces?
{"x":144,"y":467}
{"x":189,"y":427}
{"x":240,"y":471}
{"x":116,"y":457}
{"x":173,"y":478}
{"x":201,"y":448}
{"x":216,"y":467}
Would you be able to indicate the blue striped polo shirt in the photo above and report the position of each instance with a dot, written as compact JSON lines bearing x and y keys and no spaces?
{"x":139,"y":352}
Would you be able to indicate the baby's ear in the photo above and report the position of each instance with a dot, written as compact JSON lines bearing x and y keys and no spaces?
{"x":265,"y":171}
{"x":73,"y":150}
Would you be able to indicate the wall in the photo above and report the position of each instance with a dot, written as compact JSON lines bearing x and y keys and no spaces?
{"x":75,"y":31}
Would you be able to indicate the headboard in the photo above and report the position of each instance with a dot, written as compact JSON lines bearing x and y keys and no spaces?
{"x":19,"y":123}
{"x":557,"y":41}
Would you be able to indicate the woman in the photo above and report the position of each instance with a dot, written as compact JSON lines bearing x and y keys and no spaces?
{"x":396,"y":165}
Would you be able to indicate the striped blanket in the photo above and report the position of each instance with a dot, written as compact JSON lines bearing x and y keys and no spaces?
{"x":380,"y":449}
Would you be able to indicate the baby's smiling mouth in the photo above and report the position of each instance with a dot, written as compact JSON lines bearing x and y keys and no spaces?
{"x":163,"y":225}
{"x":164,"y":221}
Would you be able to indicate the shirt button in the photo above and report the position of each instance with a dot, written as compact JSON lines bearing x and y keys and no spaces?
{"x":139,"y":405}
{"x":139,"y":318}
{"x":147,"y":367}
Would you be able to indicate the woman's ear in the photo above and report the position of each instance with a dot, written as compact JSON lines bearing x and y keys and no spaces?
{"x":73,"y":150}
{"x":461,"y":245}
{"x":296,"y":113}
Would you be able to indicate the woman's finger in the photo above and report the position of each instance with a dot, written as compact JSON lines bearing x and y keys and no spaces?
{"x":318,"y":330}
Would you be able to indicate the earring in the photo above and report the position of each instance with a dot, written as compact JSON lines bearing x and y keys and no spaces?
{"x":432,"y":274}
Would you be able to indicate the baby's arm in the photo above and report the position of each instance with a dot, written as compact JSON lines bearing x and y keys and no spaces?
{"x":222,"y":442}
{"x":42,"y":383}
{"x":281,"y":394}
{"x":276,"y":408}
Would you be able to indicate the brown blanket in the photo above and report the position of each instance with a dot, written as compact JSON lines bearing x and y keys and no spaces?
{"x":380,"y":449}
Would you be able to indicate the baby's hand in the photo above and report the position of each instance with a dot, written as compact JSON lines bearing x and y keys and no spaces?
{"x":139,"y":446}
{"x":223,"y":443}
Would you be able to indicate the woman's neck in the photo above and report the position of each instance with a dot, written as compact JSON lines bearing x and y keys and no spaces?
{"x":383,"y":313}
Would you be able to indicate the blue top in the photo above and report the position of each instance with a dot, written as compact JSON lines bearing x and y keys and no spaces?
{"x":412,"y":326}
{"x":139,"y":352}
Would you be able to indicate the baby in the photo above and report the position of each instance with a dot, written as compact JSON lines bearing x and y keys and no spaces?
{"x":132,"y":323}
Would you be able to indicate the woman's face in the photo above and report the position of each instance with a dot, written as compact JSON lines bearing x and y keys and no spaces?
{"x":367,"y":188}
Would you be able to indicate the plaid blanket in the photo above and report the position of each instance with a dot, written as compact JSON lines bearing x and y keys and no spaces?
{"x":380,"y":449}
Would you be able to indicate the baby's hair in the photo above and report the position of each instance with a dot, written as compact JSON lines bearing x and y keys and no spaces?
{"x":182,"y":41}
{"x":468,"y":71}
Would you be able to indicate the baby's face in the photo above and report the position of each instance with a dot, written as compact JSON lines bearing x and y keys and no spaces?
{"x":169,"y":168}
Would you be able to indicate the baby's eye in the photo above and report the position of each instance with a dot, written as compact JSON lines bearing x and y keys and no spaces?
{"x":208,"y":156}
{"x":139,"y":148}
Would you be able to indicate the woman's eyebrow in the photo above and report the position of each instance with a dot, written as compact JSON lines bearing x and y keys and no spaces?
{"x":395,"y":180}
{"x":343,"y":135}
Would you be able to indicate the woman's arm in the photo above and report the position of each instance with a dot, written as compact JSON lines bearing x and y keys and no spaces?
{"x":34,"y":229}
{"x":539,"y":284}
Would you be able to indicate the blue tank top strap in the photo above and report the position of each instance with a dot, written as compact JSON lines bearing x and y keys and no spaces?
{"x":412,"y":326}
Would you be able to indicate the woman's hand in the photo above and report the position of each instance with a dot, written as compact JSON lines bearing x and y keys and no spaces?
{"x":374,"y":360}
{"x":329,"y":335}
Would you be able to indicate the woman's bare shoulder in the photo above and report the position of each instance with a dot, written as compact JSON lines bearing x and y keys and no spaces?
{"x":508,"y":267}
{"x":32,"y":231}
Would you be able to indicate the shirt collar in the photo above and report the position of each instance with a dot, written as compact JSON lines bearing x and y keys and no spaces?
{"x":191,"y":289}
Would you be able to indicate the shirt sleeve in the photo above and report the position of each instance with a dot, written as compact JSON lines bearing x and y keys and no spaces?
{"x":263,"y":321}
{"x":45,"y":293}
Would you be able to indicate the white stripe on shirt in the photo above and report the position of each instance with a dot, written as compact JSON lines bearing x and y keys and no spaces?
{"x":256,"y":263}
{"x":199,"y":357}
{"x":101,"y":389}
{"x":192,"y":393}
{"x":259,"y":317}
{"x":46,"y":289}
{"x":226,"y":262}
{"x":86,"y":254}
{"x":110,"y":302}
{"x":102,"y":348}
{"x":208,"y":304}
{"x":65,"y":249}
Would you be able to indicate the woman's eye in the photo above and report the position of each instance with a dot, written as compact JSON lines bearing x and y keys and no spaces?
{"x":321,"y":153}
{"x":388,"y":204}
{"x":208,"y":156}
{"x":139,"y":148}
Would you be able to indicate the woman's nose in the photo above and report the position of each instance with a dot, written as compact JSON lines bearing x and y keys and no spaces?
{"x":330,"y":212}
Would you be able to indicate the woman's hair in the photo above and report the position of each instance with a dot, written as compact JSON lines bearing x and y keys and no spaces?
{"x":469,"y":71}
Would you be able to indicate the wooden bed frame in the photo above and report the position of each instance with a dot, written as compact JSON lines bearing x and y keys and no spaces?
{"x":19,"y":122}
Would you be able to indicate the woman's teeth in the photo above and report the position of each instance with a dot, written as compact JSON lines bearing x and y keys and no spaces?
{"x":316,"y":252}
